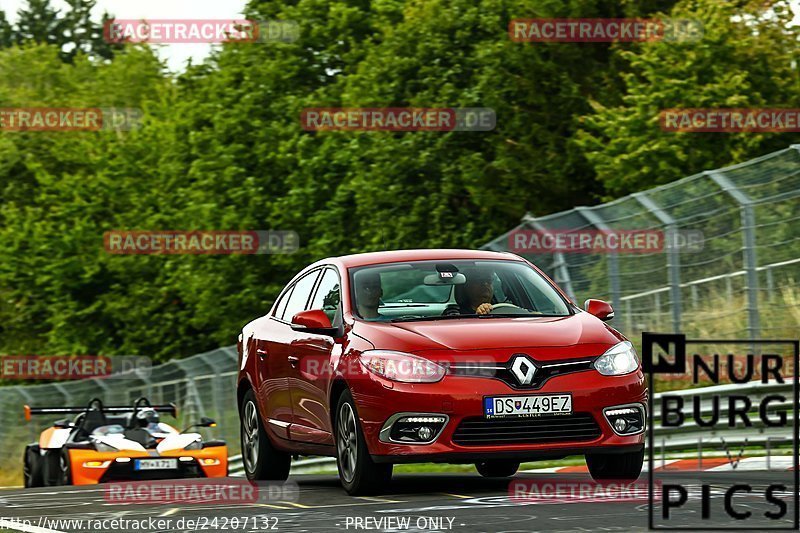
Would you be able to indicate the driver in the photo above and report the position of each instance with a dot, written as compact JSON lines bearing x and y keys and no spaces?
{"x":476,"y":295}
{"x":147,"y":417}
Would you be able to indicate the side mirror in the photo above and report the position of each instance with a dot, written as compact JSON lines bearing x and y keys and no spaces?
{"x":313,"y":321}
{"x":205,"y":422}
{"x":599,"y":308}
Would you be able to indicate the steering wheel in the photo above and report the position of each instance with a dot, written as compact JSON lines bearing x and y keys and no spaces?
{"x":503,"y":305}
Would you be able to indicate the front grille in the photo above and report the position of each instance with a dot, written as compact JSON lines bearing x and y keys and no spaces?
{"x":477,"y":431}
{"x":502,"y":371}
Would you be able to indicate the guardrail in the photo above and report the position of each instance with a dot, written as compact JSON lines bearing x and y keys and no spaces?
{"x":667,"y":439}
{"x":300,"y":466}
{"x":683,"y":437}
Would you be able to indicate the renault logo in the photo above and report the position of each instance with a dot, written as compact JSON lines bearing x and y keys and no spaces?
{"x":523,"y":369}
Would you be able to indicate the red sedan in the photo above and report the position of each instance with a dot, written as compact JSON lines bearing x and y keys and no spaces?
{"x":452,"y":356}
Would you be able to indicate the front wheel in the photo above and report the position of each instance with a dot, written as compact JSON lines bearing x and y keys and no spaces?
{"x":497,"y":468}
{"x":626,"y":466}
{"x":261,"y":460}
{"x":32,"y":467}
{"x":358,"y":473}
{"x":65,"y":469}
{"x":51,"y":468}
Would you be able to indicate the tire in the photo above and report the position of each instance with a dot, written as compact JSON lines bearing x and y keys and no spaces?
{"x":358,"y":473}
{"x":626,"y":466}
{"x":261,"y":460}
{"x":65,"y":468}
{"x":32,"y":467}
{"x":51,"y":468}
{"x":497,"y":468}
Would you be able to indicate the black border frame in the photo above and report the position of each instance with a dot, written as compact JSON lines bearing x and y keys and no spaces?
{"x":650,"y":397}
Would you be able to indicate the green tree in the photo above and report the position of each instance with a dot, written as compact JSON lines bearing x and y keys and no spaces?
{"x":747,"y":58}
{"x":73,"y":31}
{"x":6,"y":31}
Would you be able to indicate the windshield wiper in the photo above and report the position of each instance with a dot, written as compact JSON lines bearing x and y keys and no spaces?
{"x":516,"y":315}
{"x":435,"y":317}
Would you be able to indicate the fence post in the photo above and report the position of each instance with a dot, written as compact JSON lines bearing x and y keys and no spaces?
{"x":28,"y":399}
{"x":559,"y":261}
{"x":749,"y":247}
{"x":64,"y":392}
{"x":105,"y":388}
{"x":673,"y":256}
{"x":613,"y":261}
{"x":216,"y":391}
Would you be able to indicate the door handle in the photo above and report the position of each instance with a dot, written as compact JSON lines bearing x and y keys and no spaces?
{"x":261,"y":352}
{"x":293,"y":361}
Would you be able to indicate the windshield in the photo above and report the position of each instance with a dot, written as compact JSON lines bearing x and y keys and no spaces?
{"x":427,"y":290}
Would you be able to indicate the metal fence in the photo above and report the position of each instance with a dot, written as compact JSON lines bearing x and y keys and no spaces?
{"x":743,"y":283}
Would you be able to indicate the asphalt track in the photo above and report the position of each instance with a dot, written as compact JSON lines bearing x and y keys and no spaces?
{"x":429,"y":502}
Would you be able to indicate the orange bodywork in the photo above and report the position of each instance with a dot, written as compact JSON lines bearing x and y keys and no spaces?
{"x":90,"y":475}
{"x":45,"y":436}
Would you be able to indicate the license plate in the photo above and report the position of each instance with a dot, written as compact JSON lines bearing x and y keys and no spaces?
{"x":155,"y":464}
{"x":527,"y":406}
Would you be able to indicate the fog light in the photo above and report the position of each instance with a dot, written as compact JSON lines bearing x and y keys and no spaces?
{"x":210,"y":462}
{"x":626,"y":419}
{"x":413,"y":428}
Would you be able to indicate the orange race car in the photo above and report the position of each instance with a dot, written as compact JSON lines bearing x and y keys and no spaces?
{"x":119,"y":444}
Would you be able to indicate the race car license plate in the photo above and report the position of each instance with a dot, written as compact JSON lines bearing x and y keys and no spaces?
{"x":527,"y":406}
{"x":155,"y":464}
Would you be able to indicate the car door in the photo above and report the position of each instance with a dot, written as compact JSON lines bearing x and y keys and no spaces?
{"x":310,"y":378}
{"x":272,"y":346}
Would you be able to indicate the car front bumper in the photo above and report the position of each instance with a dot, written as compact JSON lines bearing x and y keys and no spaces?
{"x":460,"y":399}
{"x":119,"y":466}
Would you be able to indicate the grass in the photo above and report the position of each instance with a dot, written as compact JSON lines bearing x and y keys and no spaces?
{"x":11,"y":478}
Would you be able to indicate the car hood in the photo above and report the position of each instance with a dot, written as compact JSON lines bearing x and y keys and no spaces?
{"x":549,"y":335}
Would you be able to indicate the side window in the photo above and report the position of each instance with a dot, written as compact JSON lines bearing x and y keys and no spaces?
{"x":281,"y":307}
{"x":327,"y":296}
{"x":297,"y":300}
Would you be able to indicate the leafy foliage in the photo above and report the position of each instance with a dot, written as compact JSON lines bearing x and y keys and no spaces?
{"x":221,"y":147}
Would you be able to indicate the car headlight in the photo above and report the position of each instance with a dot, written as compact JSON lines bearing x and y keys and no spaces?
{"x":400,"y":366}
{"x":103,"y":447}
{"x":194,"y":445}
{"x":618,"y":360}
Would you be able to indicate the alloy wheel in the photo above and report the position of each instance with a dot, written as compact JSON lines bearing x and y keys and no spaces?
{"x":250,"y":436}
{"x":346,"y":442}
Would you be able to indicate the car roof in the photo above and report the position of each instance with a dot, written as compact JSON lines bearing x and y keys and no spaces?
{"x":392,"y":256}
